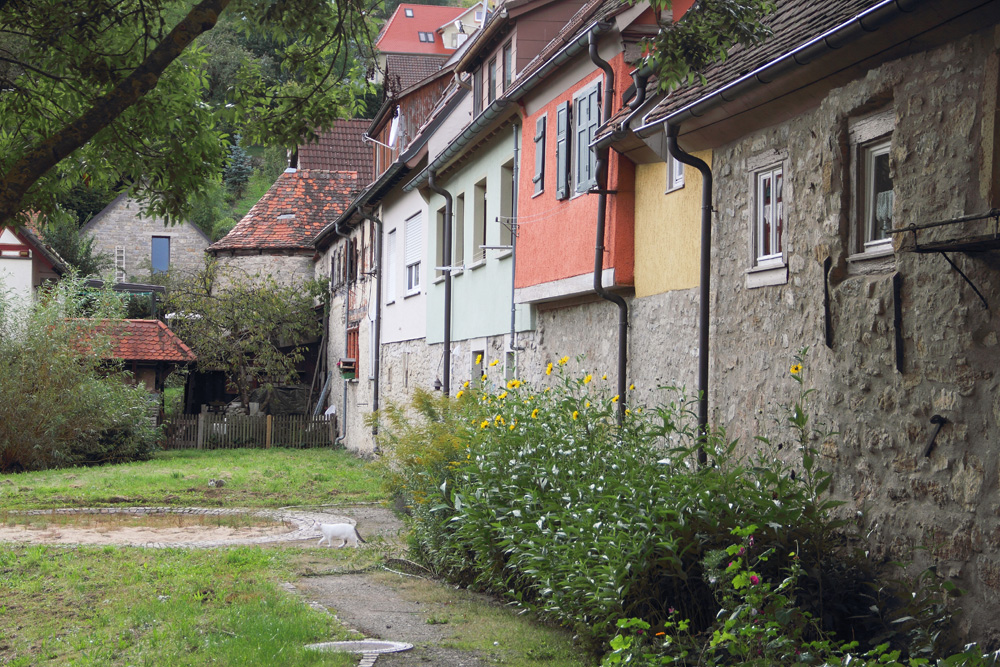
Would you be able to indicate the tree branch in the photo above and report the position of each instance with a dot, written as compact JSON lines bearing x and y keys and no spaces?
{"x":50,"y":151}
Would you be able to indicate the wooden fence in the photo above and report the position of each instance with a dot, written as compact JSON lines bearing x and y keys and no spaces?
{"x":212,"y":431}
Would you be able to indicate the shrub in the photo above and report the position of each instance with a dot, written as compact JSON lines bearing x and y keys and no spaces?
{"x":539,"y":495}
{"x":62,"y":402}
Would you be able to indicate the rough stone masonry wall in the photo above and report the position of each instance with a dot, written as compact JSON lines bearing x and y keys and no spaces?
{"x":286,"y":269}
{"x":947,"y":502}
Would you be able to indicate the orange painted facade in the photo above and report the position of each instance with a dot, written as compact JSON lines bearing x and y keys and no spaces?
{"x":557,"y":237}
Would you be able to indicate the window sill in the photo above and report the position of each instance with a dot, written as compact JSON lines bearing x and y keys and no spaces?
{"x":439,"y":280}
{"x":673,"y":189}
{"x":475,"y":265}
{"x":538,"y":194}
{"x":390,"y":301}
{"x":457,"y":272}
{"x":415,"y":292}
{"x":504,"y":254}
{"x":878,"y":259}
{"x":765,"y":276}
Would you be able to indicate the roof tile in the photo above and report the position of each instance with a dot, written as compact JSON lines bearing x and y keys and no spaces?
{"x":340,"y":148}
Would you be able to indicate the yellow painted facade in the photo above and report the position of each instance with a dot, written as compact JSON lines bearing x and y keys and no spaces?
{"x":667,"y":229}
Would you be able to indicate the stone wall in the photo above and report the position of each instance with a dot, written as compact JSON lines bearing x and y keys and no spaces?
{"x":285,"y":268}
{"x":947,"y":501}
{"x":121,"y":225}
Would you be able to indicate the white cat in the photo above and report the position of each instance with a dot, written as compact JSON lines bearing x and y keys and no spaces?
{"x":345,"y":532}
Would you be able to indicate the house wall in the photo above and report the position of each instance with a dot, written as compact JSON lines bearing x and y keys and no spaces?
{"x":943,"y":103}
{"x":667,"y":229}
{"x":573,"y":221}
{"x":481,"y":293}
{"x":286,"y":269}
{"x":120,"y":224}
{"x":404,"y":317}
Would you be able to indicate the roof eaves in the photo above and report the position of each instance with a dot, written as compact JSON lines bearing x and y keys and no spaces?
{"x":844,"y":33}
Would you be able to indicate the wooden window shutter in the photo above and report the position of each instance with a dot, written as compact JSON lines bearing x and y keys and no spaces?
{"x":588,"y":118}
{"x":539,"y":179}
{"x":563,"y":144}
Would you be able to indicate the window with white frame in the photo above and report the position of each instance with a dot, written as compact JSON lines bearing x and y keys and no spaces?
{"x":408,"y":13}
{"x":479,"y":223}
{"x":675,"y":174}
{"x":426,"y":36}
{"x":411,"y":254}
{"x":769,"y":217}
{"x":871,"y":139}
{"x":458,"y":233}
{"x":586,"y":120}
{"x":390,"y":267}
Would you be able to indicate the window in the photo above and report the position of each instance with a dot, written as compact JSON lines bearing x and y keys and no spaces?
{"x":587,"y":118}
{"x":411,"y":253}
{"x":352,"y":344}
{"x":675,"y":174}
{"x":508,"y":65}
{"x":439,"y":258}
{"x":160,"y":258}
{"x":459,"y":38}
{"x":426,"y":37}
{"x":408,"y":13}
{"x":491,"y":93}
{"x":877,"y":198}
{"x":479,"y":222}
{"x":458,"y":241}
{"x":768,"y":217}
{"x":390,"y":267}
{"x":562,"y":150}
{"x":477,"y":92}
{"x":539,"y":178}
{"x":479,"y":16}
{"x":120,"y":263}
{"x":508,"y":202}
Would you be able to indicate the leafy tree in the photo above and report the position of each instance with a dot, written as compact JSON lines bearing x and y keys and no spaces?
{"x":249,"y":326}
{"x":238,"y":169}
{"x":110,"y":91}
{"x":63,"y":234}
{"x":682,"y":50}
{"x":63,"y":400}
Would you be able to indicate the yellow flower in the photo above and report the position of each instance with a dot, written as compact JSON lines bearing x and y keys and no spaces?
{"x":548,"y":369}
{"x":465,"y":385}
{"x":499,"y":420}
{"x":588,"y":378}
{"x":627,"y":412}
{"x":564,"y":361}
{"x":631,"y":387}
{"x":534,"y":413}
{"x":479,"y":359}
{"x":484,"y":377}
{"x":586,"y":404}
{"x":502,"y":396}
{"x":575,"y":414}
{"x":494,"y":363}
{"x":486,"y":422}
{"x":514,"y":384}
{"x":615,"y":398}
{"x":796,"y":369}
{"x":459,"y":394}
{"x":604,"y":377}
{"x":513,"y":424}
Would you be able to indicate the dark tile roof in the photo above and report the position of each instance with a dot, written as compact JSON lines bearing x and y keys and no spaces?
{"x":403,"y":70}
{"x":294,"y":210}
{"x":793,"y":23}
{"x":143,"y":340}
{"x":340,"y":148}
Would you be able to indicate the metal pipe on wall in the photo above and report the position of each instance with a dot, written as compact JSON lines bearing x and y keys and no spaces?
{"x":378,"y":314}
{"x":602,"y":208}
{"x":446,"y":380}
{"x":347,"y":314}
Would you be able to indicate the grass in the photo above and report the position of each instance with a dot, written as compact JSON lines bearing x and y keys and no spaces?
{"x":253,"y":478}
{"x":124,"y":606}
{"x":132,"y":606}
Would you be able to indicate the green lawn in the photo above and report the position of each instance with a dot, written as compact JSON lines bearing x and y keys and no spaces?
{"x":253,"y":478}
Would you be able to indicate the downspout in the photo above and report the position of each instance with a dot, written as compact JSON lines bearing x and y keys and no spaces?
{"x":378,"y":314}
{"x":602,"y":207}
{"x":513,"y":242}
{"x":706,"y":265}
{"x":347,"y":299}
{"x":446,"y":381}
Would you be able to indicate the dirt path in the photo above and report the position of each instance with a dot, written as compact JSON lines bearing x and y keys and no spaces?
{"x":369,"y":602}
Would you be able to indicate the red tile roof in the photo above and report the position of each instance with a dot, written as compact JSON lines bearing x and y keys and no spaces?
{"x":400,"y":34}
{"x":296,"y":208}
{"x":340,"y":148}
{"x":403,"y":70}
{"x":145,"y":340}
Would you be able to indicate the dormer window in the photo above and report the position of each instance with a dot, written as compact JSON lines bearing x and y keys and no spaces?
{"x":426,"y":37}
{"x":408,"y":13}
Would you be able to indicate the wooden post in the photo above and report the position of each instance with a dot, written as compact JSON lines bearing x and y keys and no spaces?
{"x":270,"y":424}
{"x":201,"y":431}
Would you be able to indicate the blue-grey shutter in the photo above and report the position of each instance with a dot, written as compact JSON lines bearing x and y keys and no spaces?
{"x":562,"y":151}
{"x":539,"y":178}
{"x":588,"y":118}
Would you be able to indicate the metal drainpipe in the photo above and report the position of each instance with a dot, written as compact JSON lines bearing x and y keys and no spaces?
{"x":640,"y":77}
{"x":513,"y":243}
{"x":706,"y":265}
{"x":378,"y":313}
{"x":347,"y":298}
{"x":602,"y":208}
{"x":446,"y":383}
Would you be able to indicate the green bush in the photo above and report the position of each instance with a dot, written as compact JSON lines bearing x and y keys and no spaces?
{"x":539,"y":495}
{"x":62,"y":401}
